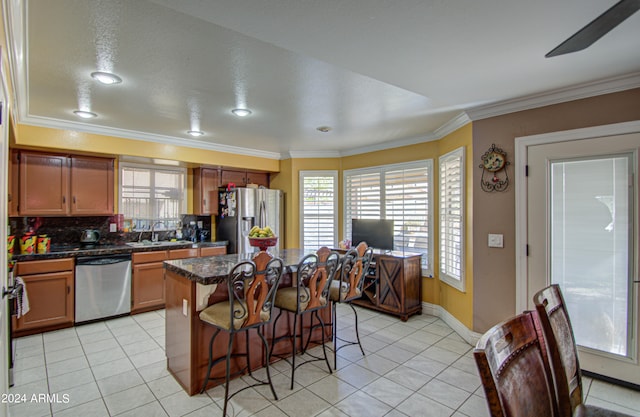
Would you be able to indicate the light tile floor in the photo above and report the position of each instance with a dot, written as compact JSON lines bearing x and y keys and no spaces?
{"x":117,"y":367}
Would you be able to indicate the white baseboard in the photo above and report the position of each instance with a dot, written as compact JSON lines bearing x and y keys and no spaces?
{"x":468,"y":335}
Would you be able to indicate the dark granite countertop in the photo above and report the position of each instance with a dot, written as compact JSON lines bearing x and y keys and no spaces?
{"x":76,"y":250}
{"x":214,"y":269}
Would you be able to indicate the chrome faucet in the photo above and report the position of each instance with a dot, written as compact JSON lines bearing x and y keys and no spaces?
{"x":154,"y":236}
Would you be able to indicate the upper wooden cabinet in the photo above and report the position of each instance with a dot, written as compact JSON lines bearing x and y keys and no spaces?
{"x":91,"y":185}
{"x":14,"y":186}
{"x":58,"y":185}
{"x":205,"y":191}
{"x":242,"y":178}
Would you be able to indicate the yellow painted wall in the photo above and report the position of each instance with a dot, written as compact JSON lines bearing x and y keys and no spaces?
{"x":459,"y":304}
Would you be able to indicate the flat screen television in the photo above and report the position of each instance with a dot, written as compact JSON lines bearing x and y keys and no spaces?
{"x":377,"y":233}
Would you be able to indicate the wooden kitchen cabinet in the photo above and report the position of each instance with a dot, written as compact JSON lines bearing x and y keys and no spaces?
{"x":394,"y":285}
{"x":242,"y":178}
{"x":213,"y":251}
{"x":205,"y":191}
{"x":60,"y":185}
{"x":184,"y":253}
{"x":50,"y":289}
{"x":147,"y":281}
{"x":91,"y":185}
{"x":13,"y":198}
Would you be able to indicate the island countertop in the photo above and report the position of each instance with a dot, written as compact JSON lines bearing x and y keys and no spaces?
{"x":215,"y":269}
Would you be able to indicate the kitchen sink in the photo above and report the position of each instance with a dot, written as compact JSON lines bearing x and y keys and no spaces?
{"x":164,"y":243}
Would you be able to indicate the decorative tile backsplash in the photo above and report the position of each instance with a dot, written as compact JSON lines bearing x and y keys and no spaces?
{"x":67,"y":230}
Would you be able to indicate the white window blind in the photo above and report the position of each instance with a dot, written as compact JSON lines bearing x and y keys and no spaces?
{"x":399,"y":192}
{"x":319,"y":206}
{"x":149,"y":194}
{"x":452,"y":218}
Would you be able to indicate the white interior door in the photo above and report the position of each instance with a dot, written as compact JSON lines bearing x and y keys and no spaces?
{"x":4,"y":324}
{"x":582,"y":228}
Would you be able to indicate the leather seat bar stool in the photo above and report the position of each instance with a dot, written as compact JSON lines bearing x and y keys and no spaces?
{"x":252,"y":287}
{"x":348,"y":287}
{"x":310,"y":295}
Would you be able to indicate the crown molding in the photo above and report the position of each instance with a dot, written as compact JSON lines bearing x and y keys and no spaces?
{"x":313,"y":154}
{"x":561,"y":95}
{"x":452,"y":125}
{"x":162,"y":139}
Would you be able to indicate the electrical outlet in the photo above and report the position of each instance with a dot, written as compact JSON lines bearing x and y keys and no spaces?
{"x":113,"y":227}
{"x":199,"y":224}
{"x":495,"y":241}
{"x":185,"y":306}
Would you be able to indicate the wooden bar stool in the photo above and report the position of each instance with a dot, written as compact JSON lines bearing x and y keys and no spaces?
{"x":252,"y":290}
{"x":310,"y":295}
{"x":348,"y":287}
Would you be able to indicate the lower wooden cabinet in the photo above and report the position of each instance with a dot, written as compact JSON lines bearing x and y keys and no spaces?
{"x":147,"y":281}
{"x":50,"y":290}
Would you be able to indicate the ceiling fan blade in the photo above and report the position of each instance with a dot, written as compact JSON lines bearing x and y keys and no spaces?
{"x":597,"y":28}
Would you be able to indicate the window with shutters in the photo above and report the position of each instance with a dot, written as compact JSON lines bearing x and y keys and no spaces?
{"x":399,"y":192}
{"x":319,"y":207}
{"x":150,"y":194}
{"x":451,"y":231}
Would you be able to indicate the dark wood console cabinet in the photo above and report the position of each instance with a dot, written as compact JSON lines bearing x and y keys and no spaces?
{"x":393,"y":284}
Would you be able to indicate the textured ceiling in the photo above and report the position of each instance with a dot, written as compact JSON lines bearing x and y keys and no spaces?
{"x":379,"y":73}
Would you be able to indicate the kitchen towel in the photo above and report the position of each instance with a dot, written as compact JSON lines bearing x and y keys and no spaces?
{"x":22,"y":301}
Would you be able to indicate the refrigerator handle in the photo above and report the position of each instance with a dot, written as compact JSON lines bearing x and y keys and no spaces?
{"x":263,"y":214}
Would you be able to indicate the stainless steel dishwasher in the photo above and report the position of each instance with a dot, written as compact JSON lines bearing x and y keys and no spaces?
{"x":103,"y":286}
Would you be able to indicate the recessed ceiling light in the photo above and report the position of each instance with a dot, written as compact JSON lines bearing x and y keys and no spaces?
{"x":241,"y":112}
{"x":106,"y":77}
{"x":323,"y":129}
{"x":85,"y":114}
{"x":195,"y":133}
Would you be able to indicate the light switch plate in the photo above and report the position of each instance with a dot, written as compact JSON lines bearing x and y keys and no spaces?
{"x":185,"y":306}
{"x":113,"y":227}
{"x":495,"y":241}
{"x":199,"y":224}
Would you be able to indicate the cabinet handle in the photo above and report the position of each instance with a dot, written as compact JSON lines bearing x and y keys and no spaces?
{"x":64,"y":199}
{"x":74,"y":199}
{"x":68,"y":289}
{"x":9,"y":198}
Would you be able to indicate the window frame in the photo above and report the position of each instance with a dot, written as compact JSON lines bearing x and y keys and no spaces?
{"x":382,"y":169}
{"x":319,"y":173}
{"x":152,"y":168}
{"x":445,"y":274}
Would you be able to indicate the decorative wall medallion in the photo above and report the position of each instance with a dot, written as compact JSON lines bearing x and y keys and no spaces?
{"x":494,"y":161}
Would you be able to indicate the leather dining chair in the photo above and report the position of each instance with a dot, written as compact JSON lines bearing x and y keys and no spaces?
{"x":515,"y":374}
{"x":308,"y":297}
{"x":563,"y":355}
{"x":252,"y":287}
{"x":346,"y":288}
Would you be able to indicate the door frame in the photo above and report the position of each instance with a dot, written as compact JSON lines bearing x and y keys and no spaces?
{"x":521,"y":191}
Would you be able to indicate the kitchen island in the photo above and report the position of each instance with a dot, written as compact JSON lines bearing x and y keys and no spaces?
{"x":193,"y":284}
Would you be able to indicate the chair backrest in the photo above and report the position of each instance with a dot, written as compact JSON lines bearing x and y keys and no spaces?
{"x":314,"y":275}
{"x":252,"y":289}
{"x":514,"y":369}
{"x":561,"y":345}
{"x":354,"y":267}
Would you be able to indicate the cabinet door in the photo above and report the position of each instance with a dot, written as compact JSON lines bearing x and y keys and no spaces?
{"x":44,"y":184}
{"x":239,"y":178}
{"x":205,"y":191}
{"x":91,"y":185}
{"x":213,"y":251}
{"x":260,"y":178}
{"x":147,"y":287}
{"x":14,"y":185}
{"x":390,"y":284}
{"x":51,"y":301}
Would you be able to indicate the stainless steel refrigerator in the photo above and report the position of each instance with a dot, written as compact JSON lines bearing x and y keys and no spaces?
{"x":241,"y":209}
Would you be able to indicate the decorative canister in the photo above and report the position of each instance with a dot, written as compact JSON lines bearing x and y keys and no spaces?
{"x":28,"y":244}
{"x":44,"y":244}
{"x":11,"y":243}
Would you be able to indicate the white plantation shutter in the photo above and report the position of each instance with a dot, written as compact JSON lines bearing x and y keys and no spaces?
{"x":399,"y":192}
{"x":452,"y":218}
{"x":151,"y":193}
{"x":319,"y":206}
